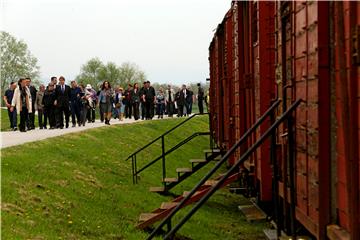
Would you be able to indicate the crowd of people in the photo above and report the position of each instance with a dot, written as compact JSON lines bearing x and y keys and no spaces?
{"x":57,"y":101}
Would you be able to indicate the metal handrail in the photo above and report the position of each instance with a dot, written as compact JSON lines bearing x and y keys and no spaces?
{"x":217,"y":166}
{"x":164,"y":134}
{"x":186,"y":140}
{"x":269,"y":131}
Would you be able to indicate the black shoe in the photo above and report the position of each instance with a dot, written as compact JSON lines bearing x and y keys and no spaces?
{"x":45,"y":127}
{"x":51,"y":128}
{"x":41,"y":127}
{"x":93,"y":121}
{"x":22,"y":130}
{"x":67,"y":125}
{"x":15,"y":129}
{"x":62,"y":127}
{"x":74,"y":125}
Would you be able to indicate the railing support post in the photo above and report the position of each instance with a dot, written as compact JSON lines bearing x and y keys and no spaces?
{"x":169,"y":227}
{"x":163,"y":158}
{"x":291,"y":174}
{"x":133,"y":168}
{"x":273,"y":159}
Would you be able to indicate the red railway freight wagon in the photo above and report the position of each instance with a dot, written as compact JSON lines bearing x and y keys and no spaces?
{"x":345,"y":106}
{"x":295,"y":50}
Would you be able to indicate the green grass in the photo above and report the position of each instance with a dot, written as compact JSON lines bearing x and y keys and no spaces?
{"x":79,"y":186}
{"x":5,"y":122}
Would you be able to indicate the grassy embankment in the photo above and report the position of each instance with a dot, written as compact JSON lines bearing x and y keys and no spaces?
{"x":79,"y":186}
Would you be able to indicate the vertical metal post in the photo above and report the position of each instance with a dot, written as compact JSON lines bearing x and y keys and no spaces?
{"x":292,"y":175}
{"x":275,"y":179}
{"x":133,"y":168}
{"x":163,"y":158}
{"x":169,"y":227}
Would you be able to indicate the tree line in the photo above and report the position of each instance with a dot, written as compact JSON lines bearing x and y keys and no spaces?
{"x":95,"y":72}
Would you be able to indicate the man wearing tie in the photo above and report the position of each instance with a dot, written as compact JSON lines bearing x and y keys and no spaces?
{"x":62,"y":96}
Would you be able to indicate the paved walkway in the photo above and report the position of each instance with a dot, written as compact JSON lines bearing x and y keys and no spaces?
{"x":10,"y":138}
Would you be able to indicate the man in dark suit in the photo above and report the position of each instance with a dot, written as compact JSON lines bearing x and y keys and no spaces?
{"x":181,"y":100}
{"x":62,"y":96}
{"x":30,"y":124}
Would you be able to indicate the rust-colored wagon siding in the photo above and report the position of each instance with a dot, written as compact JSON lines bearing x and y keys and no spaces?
{"x":291,"y":50}
{"x":346,"y":25}
{"x":303,"y":70}
{"x":264,"y":78}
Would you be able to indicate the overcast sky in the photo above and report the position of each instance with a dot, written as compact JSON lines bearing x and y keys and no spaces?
{"x":168,"y":39}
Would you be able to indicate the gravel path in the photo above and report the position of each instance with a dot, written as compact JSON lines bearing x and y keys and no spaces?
{"x":10,"y":138}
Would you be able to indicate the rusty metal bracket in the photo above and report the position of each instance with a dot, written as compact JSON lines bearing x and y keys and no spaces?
{"x":355,"y":51}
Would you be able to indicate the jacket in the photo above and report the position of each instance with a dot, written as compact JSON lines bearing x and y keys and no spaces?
{"x":171,"y":94}
{"x":16,"y":101}
{"x":39,"y":100}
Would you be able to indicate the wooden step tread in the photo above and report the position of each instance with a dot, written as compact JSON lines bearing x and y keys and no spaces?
{"x":215,"y":150}
{"x":157,"y":189}
{"x":198,"y":160}
{"x":210,"y":182}
{"x":170,"y":180}
{"x":249,"y":165}
{"x":183,"y":170}
{"x":146,"y":216}
{"x":185,"y":193}
{"x":252,"y":213}
{"x":168,"y":205}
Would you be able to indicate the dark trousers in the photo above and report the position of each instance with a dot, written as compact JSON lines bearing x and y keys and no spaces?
{"x":90,"y":115}
{"x":61,"y":111}
{"x":170,"y":109}
{"x":13,"y":118}
{"x":136,"y":110}
{"x":160,"y":107}
{"x":49,"y":114}
{"x":83,"y":114}
{"x":188,"y":106}
{"x":75,"y":113}
{"x":201,"y":106}
{"x":149,"y":109}
{"x":40,"y":117}
{"x":23,"y":118}
{"x":128,"y":110}
{"x":143,"y":110}
{"x":31,"y":118}
{"x":180,"y":110}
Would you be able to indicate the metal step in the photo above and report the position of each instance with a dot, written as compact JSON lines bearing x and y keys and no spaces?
{"x":146,"y":216}
{"x":167,"y":205}
{"x":157,"y":189}
{"x":170,"y":180}
{"x":183,"y":170}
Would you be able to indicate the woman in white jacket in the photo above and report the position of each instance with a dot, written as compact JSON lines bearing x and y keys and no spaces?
{"x":22,"y":102}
